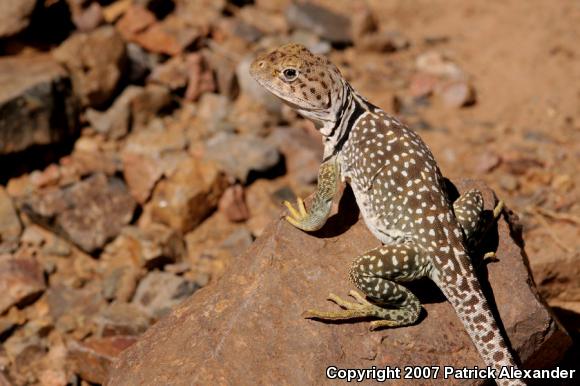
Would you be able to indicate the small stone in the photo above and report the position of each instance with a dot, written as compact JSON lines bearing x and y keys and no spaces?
{"x":120,"y":282}
{"x":241,"y":155}
{"x":135,"y":20}
{"x":93,"y":358}
{"x":21,"y":281}
{"x":172,"y":73}
{"x":160,"y":291}
{"x":15,"y":16}
{"x":223,"y":72}
{"x":114,"y":11}
{"x":250,"y":117}
{"x":122,"y":319}
{"x":188,"y":196}
{"x":10,"y":226}
{"x":146,"y":105}
{"x":433,"y":62}
{"x":36,"y":103}
{"x":422,"y":84}
{"x":322,"y":21}
{"x":155,"y":245}
{"x":383,"y":41}
{"x":86,"y":18}
{"x":487,"y":162}
{"x":233,"y":204}
{"x":302,"y":153}
{"x":14,"y":317}
{"x":212,"y":116}
{"x":25,"y":349}
{"x":141,"y":174}
{"x":114,"y":122}
{"x":149,"y":154}
{"x":157,"y":39}
{"x":96,"y":61}
{"x":74,"y":308}
{"x":89,"y":213}
{"x":268,"y":23}
{"x":200,"y":77}
{"x":457,"y":94}
{"x":508,"y":182}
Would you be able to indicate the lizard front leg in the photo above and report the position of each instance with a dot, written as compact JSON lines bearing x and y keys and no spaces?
{"x":315,"y":217}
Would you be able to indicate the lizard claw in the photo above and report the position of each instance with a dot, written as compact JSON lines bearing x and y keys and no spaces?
{"x":298,"y":216}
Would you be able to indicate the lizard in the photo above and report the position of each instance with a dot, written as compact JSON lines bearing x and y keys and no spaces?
{"x":402,"y":197}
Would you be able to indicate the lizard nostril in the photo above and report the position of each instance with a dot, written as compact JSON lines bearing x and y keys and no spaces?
{"x":261,"y":64}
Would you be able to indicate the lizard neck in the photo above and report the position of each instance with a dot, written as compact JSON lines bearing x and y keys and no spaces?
{"x":350,"y":106}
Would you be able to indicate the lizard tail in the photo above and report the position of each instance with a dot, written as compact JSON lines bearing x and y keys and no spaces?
{"x":457,"y":280}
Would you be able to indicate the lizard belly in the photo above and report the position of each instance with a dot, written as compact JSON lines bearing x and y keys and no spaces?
{"x":376,"y":221}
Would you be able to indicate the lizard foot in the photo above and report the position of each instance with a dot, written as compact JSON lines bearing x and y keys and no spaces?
{"x":498,"y":209}
{"x":352,"y":310}
{"x":297,"y":216}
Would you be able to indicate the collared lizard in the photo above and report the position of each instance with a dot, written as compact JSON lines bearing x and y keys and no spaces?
{"x":402,"y":197}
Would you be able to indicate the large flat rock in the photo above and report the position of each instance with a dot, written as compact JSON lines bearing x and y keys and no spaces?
{"x":247,"y":328}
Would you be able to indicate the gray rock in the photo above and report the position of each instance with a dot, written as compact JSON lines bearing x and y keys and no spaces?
{"x":322,"y":21}
{"x":10,"y":226}
{"x":15,"y":16}
{"x":241,"y":154}
{"x":160,"y":291}
{"x":36,"y":103}
{"x":89,"y":213}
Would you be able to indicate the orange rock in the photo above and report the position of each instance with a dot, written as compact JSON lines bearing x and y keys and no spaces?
{"x":247,"y":328}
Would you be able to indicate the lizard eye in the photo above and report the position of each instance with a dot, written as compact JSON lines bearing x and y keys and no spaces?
{"x":290,"y":74}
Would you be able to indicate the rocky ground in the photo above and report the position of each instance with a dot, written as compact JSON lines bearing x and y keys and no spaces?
{"x":138,"y":159}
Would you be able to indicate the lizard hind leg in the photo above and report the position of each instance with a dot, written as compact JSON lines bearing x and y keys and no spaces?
{"x":468,"y":209}
{"x":376,"y":273}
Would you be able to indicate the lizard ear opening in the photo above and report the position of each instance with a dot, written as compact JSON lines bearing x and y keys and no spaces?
{"x":290,"y":74}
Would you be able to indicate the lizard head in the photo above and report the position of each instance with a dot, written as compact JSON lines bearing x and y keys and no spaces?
{"x":309,"y":83}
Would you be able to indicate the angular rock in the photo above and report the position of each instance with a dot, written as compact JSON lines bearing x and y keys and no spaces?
{"x":122,"y":319}
{"x":96,"y":61}
{"x":89,"y":213}
{"x":170,"y":36}
{"x":134,"y":21}
{"x":160,"y":291}
{"x":233,"y":204}
{"x":322,"y":21}
{"x":200,"y":77}
{"x":92,"y":358}
{"x":155,"y":245}
{"x":240,"y":155}
{"x":36,"y":103}
{"x":86,"y":17}
{"x":15,"y":16}
{"x":21,"y":281}
{"x":457,"y":94}
{"x":10,"y":226}
{"x":212,"y":115}
{"x":141,"y":174}
{"x":254,"y":312}
{"x":188,"y":196}
{"x":435,"y":63}
{"x":172,"y":73}
{"x":74,"y":308}
{"x":302,"y":153}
